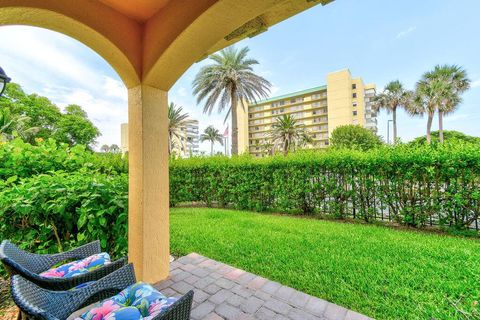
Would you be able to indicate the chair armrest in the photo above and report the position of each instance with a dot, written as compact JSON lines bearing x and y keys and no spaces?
{"x":81,"y":252}
{"x":180,"y":310}
{"x":45,"y":304}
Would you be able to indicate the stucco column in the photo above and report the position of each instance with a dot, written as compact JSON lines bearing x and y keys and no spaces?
{"x":148,"y":217}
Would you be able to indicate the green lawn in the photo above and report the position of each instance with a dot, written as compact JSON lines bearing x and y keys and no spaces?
{"x":377,"y":271}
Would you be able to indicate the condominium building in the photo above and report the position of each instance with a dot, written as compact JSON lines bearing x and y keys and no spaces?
{"x":343,"y":100}
{"x":186,"y":145}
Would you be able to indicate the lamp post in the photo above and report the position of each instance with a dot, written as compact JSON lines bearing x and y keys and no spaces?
{"x":3,"y":81}
{"x":388,"y":131}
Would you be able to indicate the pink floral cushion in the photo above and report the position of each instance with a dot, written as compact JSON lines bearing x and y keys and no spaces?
{"x":138,"y":302}
{"x":78,"y":267}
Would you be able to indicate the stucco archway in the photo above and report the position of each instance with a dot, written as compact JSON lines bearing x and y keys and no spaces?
{"x":150,"y":43}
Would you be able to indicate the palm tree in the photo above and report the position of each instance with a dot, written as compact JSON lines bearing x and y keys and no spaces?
{"x":427,"y":98}
{"x":15,"y":125}
{"x":394,"y":96}
{"x":177,"y":122}
{"x":227,"y":81}
{"x":456,"y":82}
{"x":440,"y":90}
{"x":105,"y":148}
{"x":287,"y":132}
{"x":213,"y":135}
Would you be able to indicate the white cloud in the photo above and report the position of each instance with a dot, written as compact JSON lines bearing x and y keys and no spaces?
{"x":67,"y":72}
{"x":405,"y":32}
{"x":476,"y":84}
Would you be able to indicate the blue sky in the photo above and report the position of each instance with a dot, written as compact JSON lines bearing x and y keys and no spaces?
{"x":377,"y":40}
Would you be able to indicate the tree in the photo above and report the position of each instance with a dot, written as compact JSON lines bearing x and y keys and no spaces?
{"x":105,"y":148}
{"x":213,"y":135}
{"x":177,"y":123}
{"x":227,"y":81}
{"x":394,"y":96}
{"x":451,"y":136}
{"x":354,"y":137}
{"x":75,"y":128}
{"x":288,"y":133}
{"x":455,"y":83}
{"x":12,"y":126}
{"x":114,"y":148}
{"x":39,"y":111}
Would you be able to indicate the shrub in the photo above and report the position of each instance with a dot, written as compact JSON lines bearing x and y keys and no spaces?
{"x":354,"y":137}
{"x":60,"y":210}
{"x":20,"y":159}
{"x":416,"y":186}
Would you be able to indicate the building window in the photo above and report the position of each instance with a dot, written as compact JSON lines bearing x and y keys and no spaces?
{"x":354,"y":86}
{"x":327,"y":143}
{"x":354,"y":113}
{"x":354,"y":95}
{"x":355,"y":104}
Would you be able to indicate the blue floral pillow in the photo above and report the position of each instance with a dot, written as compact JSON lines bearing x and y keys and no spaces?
{"x":139,"y":301}
{"x":78,"y":267}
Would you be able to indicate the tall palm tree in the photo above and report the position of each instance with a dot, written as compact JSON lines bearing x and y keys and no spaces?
{"x":213,"y":135}
{"x":177,"y":122}
{"x":227,"y":81}
{"x":456,"y":82}
{"x":440,"y":91}
{"x":288,"y":133}
{"x":428,"y":96}
{"x":394,"y":96}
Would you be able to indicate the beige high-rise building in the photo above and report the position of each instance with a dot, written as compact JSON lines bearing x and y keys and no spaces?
{"x":186,"y":145}
{"x":343,"y":100}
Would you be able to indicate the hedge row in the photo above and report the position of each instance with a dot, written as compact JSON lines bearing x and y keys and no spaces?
{"x":60,"y":210}
{"x":416,"y":186}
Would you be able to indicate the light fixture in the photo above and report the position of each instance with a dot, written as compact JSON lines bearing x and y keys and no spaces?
{"x":3,"y":81}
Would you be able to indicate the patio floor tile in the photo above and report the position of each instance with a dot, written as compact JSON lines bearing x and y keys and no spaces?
{"x":225,"y":292}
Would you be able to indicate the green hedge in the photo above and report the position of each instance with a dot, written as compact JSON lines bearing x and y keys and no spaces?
{"x":57,"y":211}
{"x":416,"y":186}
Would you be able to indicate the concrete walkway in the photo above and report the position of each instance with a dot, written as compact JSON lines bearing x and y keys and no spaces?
{"x":225,"y":292}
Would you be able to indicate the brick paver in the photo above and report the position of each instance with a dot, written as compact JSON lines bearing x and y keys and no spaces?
{"x":225,"y":292}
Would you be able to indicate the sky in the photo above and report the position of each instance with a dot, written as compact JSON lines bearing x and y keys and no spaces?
{"x":377,"y":40}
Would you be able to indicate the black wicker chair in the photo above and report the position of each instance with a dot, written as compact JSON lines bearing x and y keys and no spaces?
{"x":30,"y":265}
{"x":38,"y":303}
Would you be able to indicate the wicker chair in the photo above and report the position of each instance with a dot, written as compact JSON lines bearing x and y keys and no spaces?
{"x":38,"y":303}
{"x":30,"y":265}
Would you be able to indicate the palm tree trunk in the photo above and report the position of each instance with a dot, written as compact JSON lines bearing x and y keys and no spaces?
{"x":211,"y":148}
{"x":394,"y":125}
{"x":234,"y":127}
{"x":169,"y":144}
{"x":429,"y":128}
{"x":440,"y":126}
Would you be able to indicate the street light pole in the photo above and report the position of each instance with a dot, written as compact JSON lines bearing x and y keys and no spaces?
{"x":388,"y":131}
{"x":3,"y":81}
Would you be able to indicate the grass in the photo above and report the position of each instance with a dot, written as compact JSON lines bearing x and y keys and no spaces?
{"x":380,"y":272}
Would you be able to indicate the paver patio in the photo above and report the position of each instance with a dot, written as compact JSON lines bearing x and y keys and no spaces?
{"x":225,"y":292}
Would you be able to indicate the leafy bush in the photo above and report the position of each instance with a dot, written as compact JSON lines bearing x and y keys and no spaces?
{"x":450,"y":136}
{"x":60,"y":210}
{"x":354,"y":137}
{"x":416,"y":186}
{"x":19,"y":159}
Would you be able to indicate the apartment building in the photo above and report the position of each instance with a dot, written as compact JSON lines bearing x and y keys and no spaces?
{"x":343,"y":100}
{"x":186,"y":145}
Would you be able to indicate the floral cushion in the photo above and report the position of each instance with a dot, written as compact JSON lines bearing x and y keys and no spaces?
{"x":78,"y":267}
{"x":139,"y":301}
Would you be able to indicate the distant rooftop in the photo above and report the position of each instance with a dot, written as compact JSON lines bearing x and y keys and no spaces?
{"x":290,"y":95}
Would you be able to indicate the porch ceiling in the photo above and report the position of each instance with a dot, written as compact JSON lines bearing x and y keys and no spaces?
{"x":140,"y":10}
